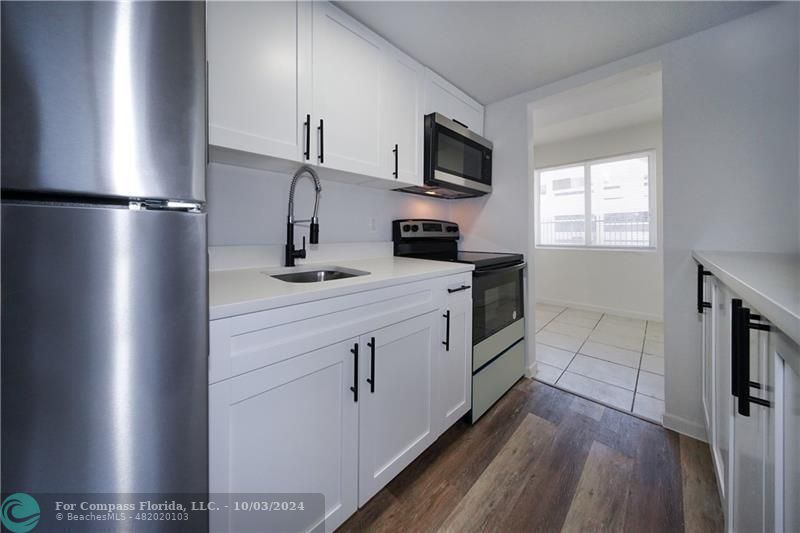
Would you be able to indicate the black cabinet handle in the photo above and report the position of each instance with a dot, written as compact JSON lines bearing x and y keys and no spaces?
{"x":354,"y":388}
{"x":446,"y":340}
{"x":461,"y":288}
{"x":736,"y":308}
{"x":741,"y":335}
{"x":395,"y":173}
{"x":700,"y":303}
{"x":321,"y":130}
{"x":307,"y":127}
{"x":371,"y":378}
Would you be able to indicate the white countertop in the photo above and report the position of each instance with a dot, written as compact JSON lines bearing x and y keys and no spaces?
{"x":770,"y":282}
{"x":236,"y":292}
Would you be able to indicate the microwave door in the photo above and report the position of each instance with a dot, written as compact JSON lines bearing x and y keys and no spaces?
{"x":459,"y":161}
{"x":456,"y":158}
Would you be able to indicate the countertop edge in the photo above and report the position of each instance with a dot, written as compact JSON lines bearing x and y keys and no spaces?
{"x":230,"y":310}
{"x":784,"y":319}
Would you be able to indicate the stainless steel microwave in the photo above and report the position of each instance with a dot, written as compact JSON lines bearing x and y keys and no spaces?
{"x":458,"y":162}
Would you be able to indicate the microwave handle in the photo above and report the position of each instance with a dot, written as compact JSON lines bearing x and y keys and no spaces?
{"x":502,"y":270}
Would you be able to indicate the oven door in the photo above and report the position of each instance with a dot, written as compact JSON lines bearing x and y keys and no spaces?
{"x":455,"y":157}
{"x":497,"y":300}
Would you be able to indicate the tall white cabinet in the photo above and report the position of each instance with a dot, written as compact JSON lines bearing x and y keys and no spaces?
{"x":294,"y":83}
{"x":755,"y":444}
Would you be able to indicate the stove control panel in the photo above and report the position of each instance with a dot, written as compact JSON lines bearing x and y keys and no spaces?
{"x":424,"y":229}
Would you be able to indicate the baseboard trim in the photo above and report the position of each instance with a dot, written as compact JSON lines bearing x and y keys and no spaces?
{"x":601,"y":309}
{"x":531,"y":371}
{"x":685,"y":427}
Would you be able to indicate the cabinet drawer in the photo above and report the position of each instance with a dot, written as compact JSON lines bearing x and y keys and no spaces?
{"x":244,"y":343}
{"x":494,"y":380}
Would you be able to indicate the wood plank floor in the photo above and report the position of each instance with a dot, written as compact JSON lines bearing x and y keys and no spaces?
{"x":544,"y":460}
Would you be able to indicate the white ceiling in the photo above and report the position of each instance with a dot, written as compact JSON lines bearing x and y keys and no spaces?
{"x":493,"y":50}
{"x":627,"y":99}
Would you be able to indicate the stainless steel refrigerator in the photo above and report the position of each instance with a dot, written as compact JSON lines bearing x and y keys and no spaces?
{"x":104,"y":258}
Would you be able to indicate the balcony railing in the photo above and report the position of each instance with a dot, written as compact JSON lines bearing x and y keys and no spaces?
{"x":614,"y":234}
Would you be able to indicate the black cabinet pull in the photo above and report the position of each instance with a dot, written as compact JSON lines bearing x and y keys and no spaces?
{"x":321,"y":130}
{"x":395,"y":173}
{"x":307,"y":128}
{"x":700,"y":303}
{"x":741,"y":335}
{"x":371,"y":378}
{"x":736,"y":307}
{"x":446,"y":340}
{"x":461,"y":288}
{"x":354,"y":388}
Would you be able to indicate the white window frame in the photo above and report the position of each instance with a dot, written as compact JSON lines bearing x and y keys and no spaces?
{"x":587,"y":191}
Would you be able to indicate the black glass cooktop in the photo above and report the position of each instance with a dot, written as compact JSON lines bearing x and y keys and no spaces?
{"x":479,"y":259}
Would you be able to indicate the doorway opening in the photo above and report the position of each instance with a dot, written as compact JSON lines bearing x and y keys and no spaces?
{"x":596,"y":207}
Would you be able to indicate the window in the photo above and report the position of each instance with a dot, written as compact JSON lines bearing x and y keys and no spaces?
{"x":606,"y":203}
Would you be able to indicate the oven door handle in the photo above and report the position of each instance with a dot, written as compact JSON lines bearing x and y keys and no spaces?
{"x":501,"y":270}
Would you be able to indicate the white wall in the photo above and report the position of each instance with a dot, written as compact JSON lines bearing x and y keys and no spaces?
{"x":629,"y":283}
{"x":730,"y":143}
{"x":730,"y":140}
{"x":249,"y":207}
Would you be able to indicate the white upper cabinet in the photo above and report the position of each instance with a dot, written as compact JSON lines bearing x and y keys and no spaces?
{"x":347,"y":81}
{"x":254,"y":101}
{"x":303,"y":82}
{"x":401,"y":118}
{"x":443,"y":97}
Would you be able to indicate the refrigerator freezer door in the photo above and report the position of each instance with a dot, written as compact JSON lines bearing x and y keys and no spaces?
{"x":104,"y":98}
{"x":104,"y":350}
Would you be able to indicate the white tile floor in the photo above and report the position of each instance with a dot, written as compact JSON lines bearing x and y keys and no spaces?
{"x":612,"y":359}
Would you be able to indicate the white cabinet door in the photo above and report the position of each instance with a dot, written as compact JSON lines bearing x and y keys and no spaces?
{"x":395,"y":414}
{"x":291,"y":427}
{"x":454,"y":383}
{"x":784,"y":452}
{"x":401,"y":118}
{"x":346,"y":60}
{"x":708,"y":335}
{"x":750,"y":495}
{"x":723,"y":400}
{"x":253,"y":79}
{"x":443,"y":97}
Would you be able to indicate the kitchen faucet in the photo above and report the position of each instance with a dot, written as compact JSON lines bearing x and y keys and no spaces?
{"x":313,"y":234}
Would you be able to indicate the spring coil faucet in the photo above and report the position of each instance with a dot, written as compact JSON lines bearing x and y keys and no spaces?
{"x":313,"y":235}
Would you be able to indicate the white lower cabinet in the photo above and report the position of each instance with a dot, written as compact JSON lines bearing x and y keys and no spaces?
{"x":754,"y":435}
{"x":723,"y":400}
{"x":336,"y":396}
{"x":288,"y":428}
{"x":454,"y":391}
{"x":396,"y":418}
{"x":783,"y":444}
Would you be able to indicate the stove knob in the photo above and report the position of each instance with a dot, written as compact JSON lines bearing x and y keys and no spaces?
{"x":414,"y":227}
{"x":406,"y":227}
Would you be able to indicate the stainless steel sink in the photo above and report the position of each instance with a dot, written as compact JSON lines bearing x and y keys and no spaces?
{"x":316,"y":274}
